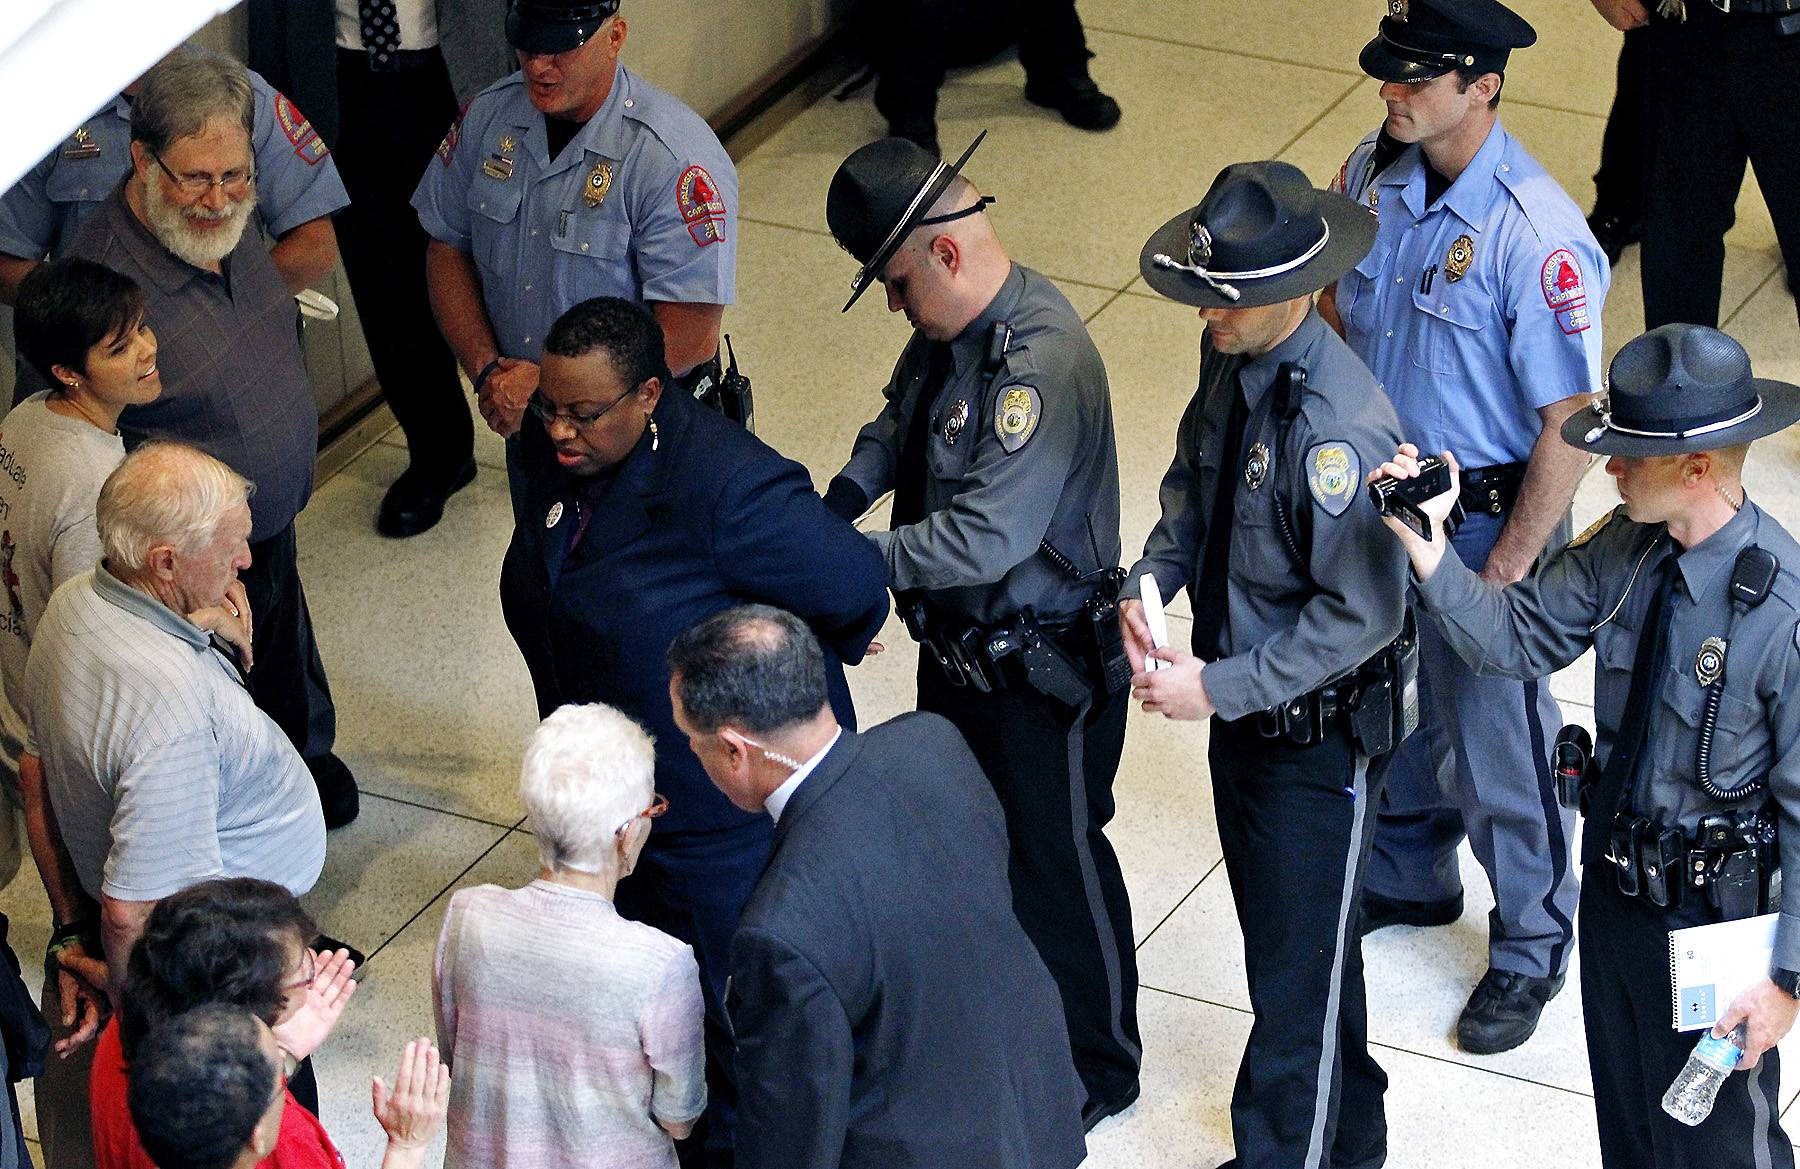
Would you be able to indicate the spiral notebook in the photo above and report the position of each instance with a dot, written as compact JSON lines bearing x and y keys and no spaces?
{"x":1710,"y":965}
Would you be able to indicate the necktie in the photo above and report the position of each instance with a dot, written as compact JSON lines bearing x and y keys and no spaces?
{"x":380,"y":32}
{"x":1212,"y":590}
{"x":1612,"y":793}
{"x":910,"y":471}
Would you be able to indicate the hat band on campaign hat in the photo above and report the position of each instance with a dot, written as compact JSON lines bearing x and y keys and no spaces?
{"x":1682,"y":430}
{"x":1221,"y":282}
{"x":901,"y":225}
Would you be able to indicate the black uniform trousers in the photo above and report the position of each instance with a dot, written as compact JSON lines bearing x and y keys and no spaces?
{"x":1052,"y":767}
{"x":1295,"y":824}
{"x":1722,"y":90}
{"x":913,"y":43}
{"x":1635,"y":1055}
{"x":392,"y":123}
{"x":287,"y":680}
{"x":1627,"y":146}
{"x":693,"y":886}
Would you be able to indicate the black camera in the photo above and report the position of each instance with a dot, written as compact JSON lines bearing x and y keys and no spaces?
{"x":1403,"y":497}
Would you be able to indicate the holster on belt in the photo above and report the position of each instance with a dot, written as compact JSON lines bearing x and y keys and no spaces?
{"x":1379,"y":701}
{"x":1491,"y":489}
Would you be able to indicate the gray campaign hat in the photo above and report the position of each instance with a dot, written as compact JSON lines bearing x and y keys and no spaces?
{"x":881,"y":193}
{"x":1681,"y":388}
{"x":1262,"y":235}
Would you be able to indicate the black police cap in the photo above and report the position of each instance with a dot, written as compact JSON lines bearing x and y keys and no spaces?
{"x":1422,"y":39}
{"x":555,"y":26}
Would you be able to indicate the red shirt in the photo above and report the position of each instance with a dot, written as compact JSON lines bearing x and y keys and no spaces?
{"x":301,"y":1143}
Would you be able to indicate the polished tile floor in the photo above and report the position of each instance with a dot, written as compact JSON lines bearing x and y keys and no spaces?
{"x":434,"y":703}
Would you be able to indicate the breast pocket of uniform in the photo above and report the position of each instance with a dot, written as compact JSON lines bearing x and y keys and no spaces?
{"x":494,"y":224}
{"x":1739,"y":749}
{"x":593,"y":246}
{"x":1259,"y":541}
{"x":1452,"y":317}
{"x":1356,"y":300}
{"x":82,"y":181}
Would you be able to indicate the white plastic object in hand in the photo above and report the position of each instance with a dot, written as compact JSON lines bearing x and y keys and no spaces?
{"x":1154,"y":618}
{"x":316,"y":306}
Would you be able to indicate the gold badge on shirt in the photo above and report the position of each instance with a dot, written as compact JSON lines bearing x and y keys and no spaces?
{"x":81,"y":144}
{"x":499,"y":165}
{"x":1462,"y":254}
{"x":599,"y":182}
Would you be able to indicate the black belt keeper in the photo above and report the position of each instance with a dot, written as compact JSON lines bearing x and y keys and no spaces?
{"x":1492,"y":489}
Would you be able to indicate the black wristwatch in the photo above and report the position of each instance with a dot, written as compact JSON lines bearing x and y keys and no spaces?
{"x":1787,"y":980}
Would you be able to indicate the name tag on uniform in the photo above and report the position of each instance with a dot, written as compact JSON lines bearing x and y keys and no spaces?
{"x":81,"y":145}
{"x":497,"y":167}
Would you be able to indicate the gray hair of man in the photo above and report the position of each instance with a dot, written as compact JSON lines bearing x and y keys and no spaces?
{"x":755,"y":667}
{"x":184,"y":91}
{"x":164,"y":493}
{"x":588,"y":774}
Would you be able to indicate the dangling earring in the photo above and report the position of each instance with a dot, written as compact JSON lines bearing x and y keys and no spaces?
{"x":655,"y":438}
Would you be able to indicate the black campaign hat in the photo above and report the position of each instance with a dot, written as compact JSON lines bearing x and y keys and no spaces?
{"x":1422,"y":39}
{"x":879,"y":194}
{"x":555,"y":26}
{"x":1262,"y":235}
{"x":1681,"y":388}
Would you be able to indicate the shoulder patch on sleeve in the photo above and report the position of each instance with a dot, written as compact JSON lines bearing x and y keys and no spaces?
{"x":702,"y":208}
{"x":1593,"y":529}
{"x":1016,"y":416}
{"x":446,"y":150}
{"x":1564,"y":292}
{"x":1334,"y":473}
{"x":308,"y":146}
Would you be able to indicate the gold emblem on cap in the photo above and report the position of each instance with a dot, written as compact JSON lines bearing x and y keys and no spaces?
{"x":1399,"y":10}
{"x":599,"y":182}
{"x":1462,"y":254}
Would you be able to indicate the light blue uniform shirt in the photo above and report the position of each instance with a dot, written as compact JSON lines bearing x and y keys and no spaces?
{"x":1471,"y":341}
{"x":296,"y":179}
{"x":641,"y":204}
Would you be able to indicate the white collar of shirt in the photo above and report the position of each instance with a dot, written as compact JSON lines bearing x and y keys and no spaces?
{"x":778,"y":799}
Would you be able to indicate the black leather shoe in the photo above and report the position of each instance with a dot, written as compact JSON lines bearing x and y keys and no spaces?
{"x":415,"y":502}
{"x":1096,"y":1111}
{"x":337,"y":790}
{"x":1614,"y":233}
{"x":922,"y":131}
{"x":1379,"y":912}
{"x":1503,"y":1011}
{"x":1078,"y":100}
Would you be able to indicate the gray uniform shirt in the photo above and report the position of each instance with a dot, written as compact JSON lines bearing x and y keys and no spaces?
{"x":161,"y":770}
{"x":1292,"y":626}
{"x":1596,"y":592}
{"x":1014,"y":457}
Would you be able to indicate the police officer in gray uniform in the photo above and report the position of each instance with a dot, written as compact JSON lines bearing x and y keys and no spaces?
{"x":1689,"y":596}
{"x":997,"y":440}
{"x":572,"y":179}
{"x":1298,"y":653}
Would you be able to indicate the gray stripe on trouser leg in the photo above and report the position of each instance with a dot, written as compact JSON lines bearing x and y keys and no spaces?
{"x":1759,"y":1113}
{"x":1328,"y":1046}
{"x":1090,"y":883}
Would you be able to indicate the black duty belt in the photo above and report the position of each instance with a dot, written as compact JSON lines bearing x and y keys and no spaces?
{"x":1730,"y":860}
{"x":1377,"y":704}
{"x":1757,"y":7}
{"x":1492,"y":489}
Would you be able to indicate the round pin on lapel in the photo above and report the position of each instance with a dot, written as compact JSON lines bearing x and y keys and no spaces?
{"x":555,"y":515}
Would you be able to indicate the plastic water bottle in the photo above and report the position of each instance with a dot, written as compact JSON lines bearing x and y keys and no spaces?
{"x":1690,"y":1098}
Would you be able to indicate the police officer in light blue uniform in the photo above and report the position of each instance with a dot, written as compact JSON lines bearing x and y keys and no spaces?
{"x":568,"y":180}
{"x":1478,"y":309}
{"x":297,"y":184}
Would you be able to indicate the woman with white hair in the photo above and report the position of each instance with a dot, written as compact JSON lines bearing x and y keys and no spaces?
{"x":575,"y":1035}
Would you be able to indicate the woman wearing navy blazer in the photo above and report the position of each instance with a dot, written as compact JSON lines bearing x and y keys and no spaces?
{"x":642,"y":513}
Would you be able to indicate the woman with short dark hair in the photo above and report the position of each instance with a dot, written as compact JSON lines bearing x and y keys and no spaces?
{"x":207,"y":1092}
{"x":240,"y":942}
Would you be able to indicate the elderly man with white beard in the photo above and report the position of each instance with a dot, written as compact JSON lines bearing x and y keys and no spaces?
{"x":234,"y":382}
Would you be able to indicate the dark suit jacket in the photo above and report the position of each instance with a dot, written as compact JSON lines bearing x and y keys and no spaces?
{"x":710,"y":519}
{"x":889,"y":1011}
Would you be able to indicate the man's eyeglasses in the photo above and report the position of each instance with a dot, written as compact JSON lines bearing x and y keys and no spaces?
{"x":659,"y":804}
{"x":547,"y":412}
{"x":309,"y":966}
{"x":196,"y":186}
